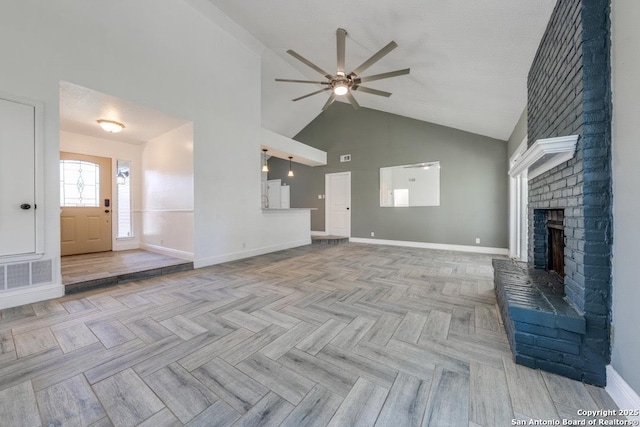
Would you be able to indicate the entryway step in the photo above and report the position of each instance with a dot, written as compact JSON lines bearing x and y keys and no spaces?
{"x":126,"y":277}
{"x":329,"y":240}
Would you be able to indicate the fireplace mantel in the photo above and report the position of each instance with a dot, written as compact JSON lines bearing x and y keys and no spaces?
{"x":544,"y":155}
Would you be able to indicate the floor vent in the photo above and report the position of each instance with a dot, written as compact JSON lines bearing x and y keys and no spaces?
{"x":20,"y":275}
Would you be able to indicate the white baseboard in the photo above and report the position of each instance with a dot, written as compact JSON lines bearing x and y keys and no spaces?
{"x":126,"y":246}
{"x":621,"y":392}
{"x":203,"y":262}
{"x":17,"y":297}
{"x":425,"y":245}
{"x":187,"y":256}
{"x":319,"y":233}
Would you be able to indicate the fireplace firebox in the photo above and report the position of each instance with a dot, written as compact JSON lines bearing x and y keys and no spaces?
{"x":555,"y":241}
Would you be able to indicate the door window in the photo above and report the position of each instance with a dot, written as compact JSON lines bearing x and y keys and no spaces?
{"x":79,"y":183}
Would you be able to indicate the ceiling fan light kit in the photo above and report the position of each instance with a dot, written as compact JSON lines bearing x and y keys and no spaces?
{"x":342,"y":84}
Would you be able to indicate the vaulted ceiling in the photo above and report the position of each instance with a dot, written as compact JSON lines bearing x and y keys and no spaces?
{"x":469,"y":59}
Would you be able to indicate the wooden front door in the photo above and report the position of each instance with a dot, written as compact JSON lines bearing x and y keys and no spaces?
{"x":85,"y":201}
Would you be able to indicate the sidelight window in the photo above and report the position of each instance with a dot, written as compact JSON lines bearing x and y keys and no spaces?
{"x":123,"y":179}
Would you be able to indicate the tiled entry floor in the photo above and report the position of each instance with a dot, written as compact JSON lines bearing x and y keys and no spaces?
{"x":87,"y":271}
{"x":338,"y":335}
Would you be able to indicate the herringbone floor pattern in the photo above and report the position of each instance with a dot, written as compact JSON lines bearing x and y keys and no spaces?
{"x":344,"y":335}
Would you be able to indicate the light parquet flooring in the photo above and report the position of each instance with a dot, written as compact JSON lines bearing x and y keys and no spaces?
{"x":338,"y":335}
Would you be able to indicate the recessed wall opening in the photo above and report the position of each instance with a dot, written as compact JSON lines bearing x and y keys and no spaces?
{"x":147,"y":205}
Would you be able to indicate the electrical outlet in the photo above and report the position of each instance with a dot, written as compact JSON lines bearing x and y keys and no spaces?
{"x":477,"y":240}
{"x":373,"y":234}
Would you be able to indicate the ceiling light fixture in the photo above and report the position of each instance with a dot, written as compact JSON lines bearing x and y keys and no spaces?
{"x":341,"y":88}
{"x":290,"y":170}
{"x":265,"y":167}
{"x":110,"y":125}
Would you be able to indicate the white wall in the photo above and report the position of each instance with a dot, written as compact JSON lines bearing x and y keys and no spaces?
{"x":116,"y":150}
{"x":168,"y":56}
{"x":167,"y":203}
{"x":625,"y":66}
{"x":279,"y":114}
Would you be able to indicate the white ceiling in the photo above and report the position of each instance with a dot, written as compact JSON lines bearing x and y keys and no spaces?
{"x":81,"y":107}
{"x":469,"y":59}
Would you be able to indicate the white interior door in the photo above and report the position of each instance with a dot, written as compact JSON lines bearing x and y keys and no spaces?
{"x":17,"y":183}
{"x":338,"y":204}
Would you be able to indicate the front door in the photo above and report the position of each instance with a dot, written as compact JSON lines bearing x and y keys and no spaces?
{"x":338,"y":204}
{"x":85,"y":201}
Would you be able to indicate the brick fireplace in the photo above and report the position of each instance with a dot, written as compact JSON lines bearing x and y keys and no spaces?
{"x":557,"y":308}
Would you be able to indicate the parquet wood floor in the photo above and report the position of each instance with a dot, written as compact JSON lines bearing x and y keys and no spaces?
{"x":337,"y":335}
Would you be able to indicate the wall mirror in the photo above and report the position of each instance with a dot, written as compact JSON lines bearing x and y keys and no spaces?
{"x":410,"y":185}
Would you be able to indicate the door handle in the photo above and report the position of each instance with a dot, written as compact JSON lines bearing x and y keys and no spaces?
{"x":25,"y":206}
{"x":347,"y":208}
{"x":107,"y":211}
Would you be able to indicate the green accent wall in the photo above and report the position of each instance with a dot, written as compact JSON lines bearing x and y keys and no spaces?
{"x":474,"y":184}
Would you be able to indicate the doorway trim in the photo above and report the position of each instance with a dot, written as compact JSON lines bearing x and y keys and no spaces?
{"x":518,"y":208}
{"x":328,"y":201}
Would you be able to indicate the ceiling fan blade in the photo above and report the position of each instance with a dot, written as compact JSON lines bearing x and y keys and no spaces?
{"x":301,"y":81}
{"x":311,"y":94}
{"x":383,"y":75}
{"x":352,"y":100}
{"x":375,"y":58}
{"x":329,"y":101}
{"x":309,"y":63}
{"x":372,"y":91}
{"x":340,"y":36}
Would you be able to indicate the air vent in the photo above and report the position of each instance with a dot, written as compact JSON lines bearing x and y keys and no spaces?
{"x":345,"y":158}
{"x":14,"y":276}
{"x":41,"y":272}
{"x":17,"y":275}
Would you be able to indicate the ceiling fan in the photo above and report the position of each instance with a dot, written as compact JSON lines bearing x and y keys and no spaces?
{"x":342,"y":84}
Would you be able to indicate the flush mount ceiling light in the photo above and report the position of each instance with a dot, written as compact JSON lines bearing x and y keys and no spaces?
{"x":110,"y":125}
{"x":265,"y":167}
{"x":341,"y":83}
{"x":290,"y":170}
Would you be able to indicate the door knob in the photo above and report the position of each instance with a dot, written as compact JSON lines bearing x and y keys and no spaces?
{"x":25,"y":206}
{"x":106,"y":211}
{"x":347,"y":208}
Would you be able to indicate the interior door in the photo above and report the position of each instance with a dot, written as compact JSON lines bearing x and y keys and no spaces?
{"x":17,"y":184}
{"x":338,"y":193}
{"x":85,"y":201}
